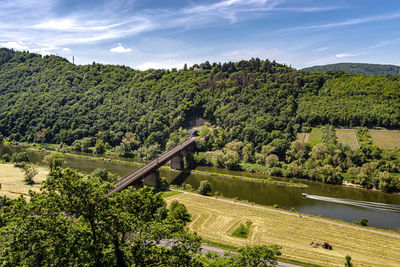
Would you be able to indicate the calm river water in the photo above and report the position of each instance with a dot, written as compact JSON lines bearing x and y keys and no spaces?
{"x":345,"y":203}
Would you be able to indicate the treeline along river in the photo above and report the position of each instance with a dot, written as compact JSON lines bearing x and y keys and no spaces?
{"x":331,"y":201}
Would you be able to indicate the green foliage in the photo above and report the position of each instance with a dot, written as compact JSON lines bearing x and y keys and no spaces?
{"x":19,"y":158}
{"x":104,"y":175}
{"x":204,"y":188}
{"x":178,"y":211}
{"x":30,"y":171}
{"x":6,"y":157}
{"x":364,"y":221}
{"x":348,"y":261}
{"x":243,"y":230}
{"x":54,"y":160}
{"x":74,"y":223}
{"x":360,"y":68}
{"x":260,"y":255}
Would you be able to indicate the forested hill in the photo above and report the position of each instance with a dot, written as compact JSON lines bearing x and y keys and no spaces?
{"x":48,"y":99}
{"x":358,"y":68}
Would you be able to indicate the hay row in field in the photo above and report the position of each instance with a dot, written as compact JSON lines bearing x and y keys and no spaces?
{"x":385,"y":138}
{"x":216,"y":219}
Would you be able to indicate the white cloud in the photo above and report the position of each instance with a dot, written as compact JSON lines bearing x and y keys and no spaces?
{"x":120,"y":49}
{"x":345,"y":55}
{"x":66,"y":49}
{"x":15,"y":45}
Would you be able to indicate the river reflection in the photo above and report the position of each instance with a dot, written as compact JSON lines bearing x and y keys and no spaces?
{"x":262,"y":193}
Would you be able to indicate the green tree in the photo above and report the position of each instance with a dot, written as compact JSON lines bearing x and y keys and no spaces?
{"x":73,"y":222}
{"x":204,"y":188}
{"x":30,"y":171}
{"x":19,"y":158}
{"x":6,"y":157}
{"x":104,"y":175}
{"x":260,"y":255}
{"x":348,"y":261}
{"x":100,"y":147}
{"x":54,"y":160}
{"x":364,"y":221}
{"x":179,"y":212}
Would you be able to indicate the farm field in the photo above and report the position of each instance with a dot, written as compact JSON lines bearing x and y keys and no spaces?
{"x":386,"y":138}
{"x":303,"y":137}
{"x":347,"y":137}
{"x":12,"y":181}
{"x":216,"y":219}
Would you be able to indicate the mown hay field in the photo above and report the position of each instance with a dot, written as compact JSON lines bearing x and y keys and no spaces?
{"x":216,"y":219}
{"x":347,"y":137}
{"x":13,"y":184}
{"x":303,"y":137}
{"x":386,"y":138}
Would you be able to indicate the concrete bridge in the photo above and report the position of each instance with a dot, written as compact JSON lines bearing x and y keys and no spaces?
{"x":148,"y":174}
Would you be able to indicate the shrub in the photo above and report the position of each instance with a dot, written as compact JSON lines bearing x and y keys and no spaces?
{"x":204,"y":188}
{"x":19,"y":157}
{"x":7,"y":157}
{"x":364,"y":221}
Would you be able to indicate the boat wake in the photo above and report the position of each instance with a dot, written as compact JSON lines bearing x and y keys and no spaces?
{"x":357,"y":203}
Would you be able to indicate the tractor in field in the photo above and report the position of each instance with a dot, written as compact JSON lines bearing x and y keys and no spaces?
{"x":327,"y":246}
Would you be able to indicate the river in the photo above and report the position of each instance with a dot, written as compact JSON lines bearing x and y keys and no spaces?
{"x":332,"y":201}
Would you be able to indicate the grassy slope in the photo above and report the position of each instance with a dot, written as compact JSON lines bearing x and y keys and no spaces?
{"x":215,"y":219}
{"x":12,"y":181}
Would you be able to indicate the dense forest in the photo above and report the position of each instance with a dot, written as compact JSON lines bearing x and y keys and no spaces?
{"x":358,"y":68}
{"x":254,"y":108}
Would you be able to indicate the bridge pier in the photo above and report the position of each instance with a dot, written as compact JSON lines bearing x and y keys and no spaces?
{"x":177,"y":162}
{"x":153,"y":179}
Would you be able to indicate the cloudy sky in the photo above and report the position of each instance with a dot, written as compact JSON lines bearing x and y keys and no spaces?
{"x":168,"y":33}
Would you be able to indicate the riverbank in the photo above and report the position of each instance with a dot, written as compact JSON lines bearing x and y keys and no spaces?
{"x":215,"y":219}
{"x":115,"y":160}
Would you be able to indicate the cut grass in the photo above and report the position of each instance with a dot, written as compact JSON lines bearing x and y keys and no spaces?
{"x":315,"y":136}
{"x":385,"y":138}
{"x":243,"y":230}
{"x":214,"y":219}
{"x":347,"y":137}
{"x":13,"y":184}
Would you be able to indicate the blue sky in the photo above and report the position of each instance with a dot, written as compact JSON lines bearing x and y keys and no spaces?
{"x":168,"y":33}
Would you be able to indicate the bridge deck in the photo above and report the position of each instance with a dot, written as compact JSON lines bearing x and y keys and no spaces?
{"x":149,"y":167}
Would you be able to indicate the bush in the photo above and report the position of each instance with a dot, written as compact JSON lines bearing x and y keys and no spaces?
{"x":164,"y":184}
{"x":276,"y":171}
{"x":364,"y":221}
{"x":7,"y":157}
{"x":179,"y":212}
{"x":19,"y":157}
{"x":204,"y":188}
{"x":30,"y":171}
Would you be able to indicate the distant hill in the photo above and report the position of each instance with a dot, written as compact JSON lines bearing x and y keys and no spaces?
{"x":359,"y":68}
